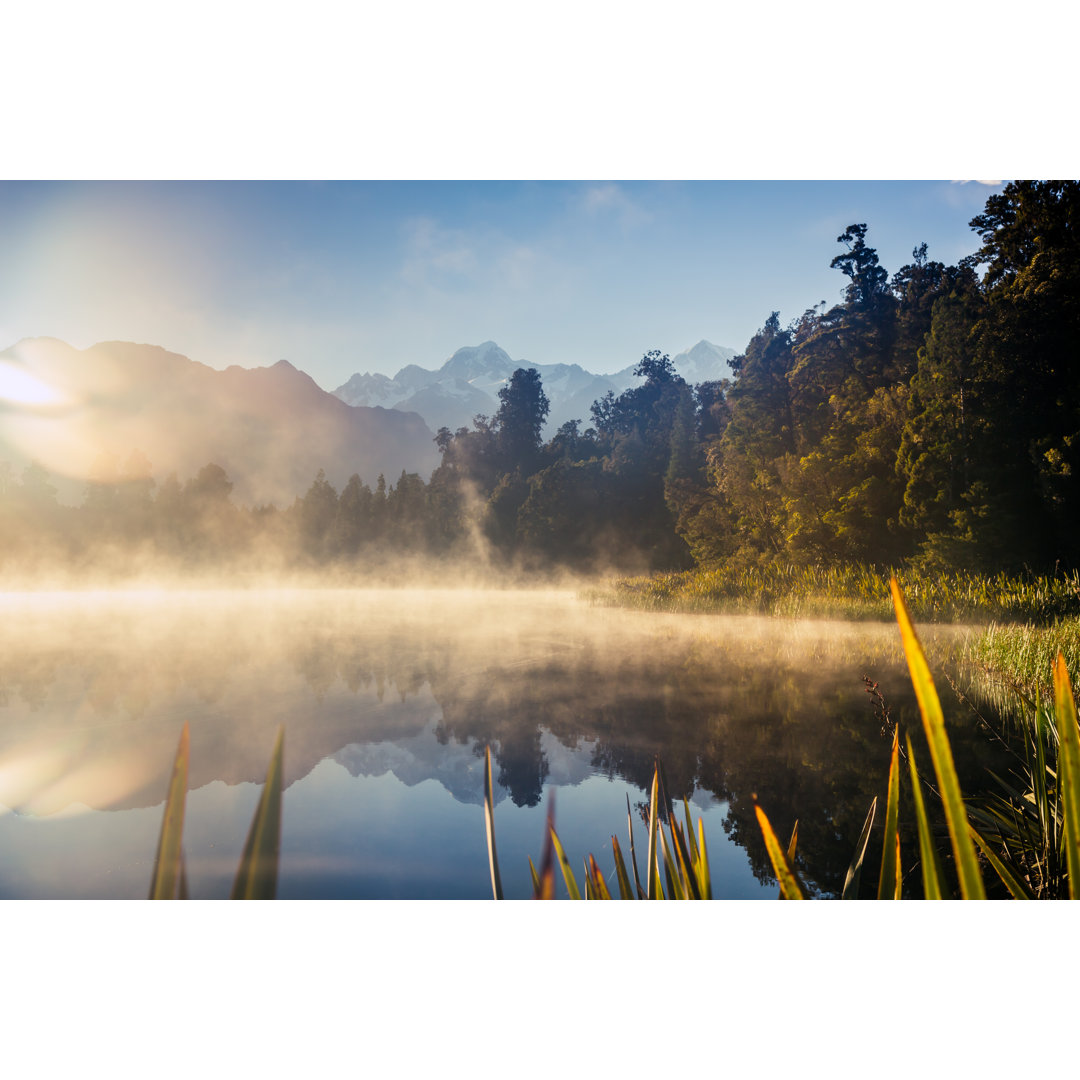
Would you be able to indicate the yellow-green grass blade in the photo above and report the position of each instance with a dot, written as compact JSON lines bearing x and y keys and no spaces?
{"x":167,"y":862}
{"x":789,"y":886}
{"x":854,"y":873}
{"x":600,"y":889}
{"x":927,"y":853}
{"x":899,"y":874}
{"x":567,"y":873}
{"x":887,"y":881}
{"x":489,"y":822}
{"x":791,"y":849}
{"x":704,"y":881}
{"x":671,"y":870}
{"x":633,"y":854}
{"x":1068,"y":771}
{"x":546,"y":890}
{"x":590,"y":892}
{"x":652,"y":871}
{"x":967,"y":863}
{"x":694,"y":854}
{"x":535,"y":878}
{"x":256,"y":877}
{"x":1017,"y":889}
{"x":689,"y":880}
{"x":626,"y":892}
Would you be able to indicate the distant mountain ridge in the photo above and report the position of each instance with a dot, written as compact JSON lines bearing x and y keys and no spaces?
{"x":468,"y":384}
{"x":270,"y":428}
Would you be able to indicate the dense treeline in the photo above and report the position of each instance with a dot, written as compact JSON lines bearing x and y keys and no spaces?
{"x":931,"y":416}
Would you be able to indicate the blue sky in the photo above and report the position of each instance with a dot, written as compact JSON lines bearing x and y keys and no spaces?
{"x":341,"y":277}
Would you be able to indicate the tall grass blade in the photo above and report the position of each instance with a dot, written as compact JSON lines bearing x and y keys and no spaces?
{"x":695,"y":855}
{"x":789,"y":885}
{"x":689,"y":880}
{"x":626,"y":892}
{"x":1017,"y":889}
{"x":535,"y":878}
{"x":652,"y":871}
{"x":1068,"y":771}
{"x":489,"y":822}
{"x":888,"y":879}
{"x":704,"y":880}
{"x":567,"y":873}
{"x":544,"y":889}
{"x":256,"y":877}
{"x":167,"y":862}
{"x":967,"y":864}
{"x":791,"y":848}
{"x":851,"y":879}
{"x":633,"y":855}
{"x":600,"y":889}
{"x":671,"y":870}
{"x":928,"y":860}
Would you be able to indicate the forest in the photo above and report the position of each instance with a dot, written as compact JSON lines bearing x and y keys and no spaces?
{"x":929,"y":419}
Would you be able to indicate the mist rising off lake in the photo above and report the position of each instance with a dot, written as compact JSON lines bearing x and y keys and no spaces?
{"x":388,"y":698}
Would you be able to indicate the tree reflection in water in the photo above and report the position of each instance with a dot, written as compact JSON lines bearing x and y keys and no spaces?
{"x":733,"y":706}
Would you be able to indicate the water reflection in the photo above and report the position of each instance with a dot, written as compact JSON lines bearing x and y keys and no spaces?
{"x":94,"y":689}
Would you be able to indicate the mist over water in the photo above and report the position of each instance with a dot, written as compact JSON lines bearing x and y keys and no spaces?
{"x":388,"y":697}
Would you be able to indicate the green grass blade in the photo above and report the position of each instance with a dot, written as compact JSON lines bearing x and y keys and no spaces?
{"x":567,"y":873}
{"x":167,"y":862}
{"x":704,"y":880}
{"x":256,"y":877}
{"x":633,"y":854}
{"x":489,"y":822}
{"x":931,"y":875}
{"x":600,"y":889}
{"x":851,"y":879}
{"x":652,"y":870}
{"x":535,"y":878}
{"x":545,"y":890}
{"x":967,"y":863}
{"x":694,"y":853}
{"x":789,"y":885}
{"x":888,"y":881}
{"x":671,"y":869}
{"x":682,"y":854}
{"x":1017,"y":889}
{"x":626,"y":892}
{"x":1068,"y":771}
{"x":791,"y":849}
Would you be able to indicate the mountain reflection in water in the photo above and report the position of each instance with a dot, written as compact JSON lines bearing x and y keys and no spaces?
{"x":402,"y":690}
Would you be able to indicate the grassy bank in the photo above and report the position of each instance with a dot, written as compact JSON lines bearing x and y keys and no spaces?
{"x":849,"y":592}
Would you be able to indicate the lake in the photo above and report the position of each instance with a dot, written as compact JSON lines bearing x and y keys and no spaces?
{"x":388,"y":698}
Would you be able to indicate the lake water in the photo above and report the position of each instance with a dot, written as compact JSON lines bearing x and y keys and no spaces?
{"x":389,"y":697}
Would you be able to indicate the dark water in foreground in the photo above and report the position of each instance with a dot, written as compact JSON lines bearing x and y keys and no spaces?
{"x":388,"y":698}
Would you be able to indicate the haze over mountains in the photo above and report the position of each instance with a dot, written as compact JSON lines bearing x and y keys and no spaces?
{"x":468,"y":384}
{"x":270,"y":428}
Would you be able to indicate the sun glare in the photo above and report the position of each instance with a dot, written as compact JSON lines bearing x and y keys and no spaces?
{"x":20,"y":387}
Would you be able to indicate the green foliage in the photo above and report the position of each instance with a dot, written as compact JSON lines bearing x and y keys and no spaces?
{"x":852,"y":591}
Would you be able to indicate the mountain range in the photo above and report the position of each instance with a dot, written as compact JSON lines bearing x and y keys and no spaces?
{"x":270,"y":428}
{"x":468,"y":384}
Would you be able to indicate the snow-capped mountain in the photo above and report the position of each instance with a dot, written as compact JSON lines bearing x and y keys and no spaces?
{"x":468,"y":384}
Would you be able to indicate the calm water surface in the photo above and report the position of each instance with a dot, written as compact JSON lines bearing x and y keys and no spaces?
{"x":388,"y":698}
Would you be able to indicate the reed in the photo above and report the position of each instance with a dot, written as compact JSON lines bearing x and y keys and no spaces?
{"x":848,"y":592}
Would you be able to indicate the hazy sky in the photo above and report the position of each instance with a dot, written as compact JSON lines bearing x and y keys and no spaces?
{"x":342,"y":277}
